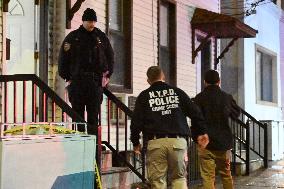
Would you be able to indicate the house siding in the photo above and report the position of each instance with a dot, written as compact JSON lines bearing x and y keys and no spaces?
{"x":267,"y":22}
{"x":186,"y":71}
{"x":281,"y":34}
{"x":145,"y":42}
{"x":145,"y":38}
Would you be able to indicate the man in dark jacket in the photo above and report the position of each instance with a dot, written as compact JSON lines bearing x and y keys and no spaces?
{"x":217,"y":107}
{"x":160,"y":114}
{"x":85,"y":61}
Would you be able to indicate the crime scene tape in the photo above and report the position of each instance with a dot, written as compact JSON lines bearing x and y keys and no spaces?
{"x":98,"y":178}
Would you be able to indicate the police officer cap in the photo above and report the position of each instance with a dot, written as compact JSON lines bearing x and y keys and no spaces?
{"x":212,"y":77}
{"x":89,"y":15}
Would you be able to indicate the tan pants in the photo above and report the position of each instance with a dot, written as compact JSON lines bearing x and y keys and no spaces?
{"x":166,"y":155}
{"x":215,"y":160}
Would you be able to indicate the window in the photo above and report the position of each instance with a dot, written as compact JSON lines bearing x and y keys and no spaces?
{"x":116,"y":113}
{"x":266,"y":76}
{"x":119,"y":30}
{"x":15,"y":8}
{"x":167,"y":40}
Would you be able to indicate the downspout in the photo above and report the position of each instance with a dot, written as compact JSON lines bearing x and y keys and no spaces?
{"x":58,"y":35}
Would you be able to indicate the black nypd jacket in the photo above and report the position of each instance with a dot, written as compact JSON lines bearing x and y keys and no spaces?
{"x":162,"y":109}
{"x":217,"y":106}
{"x":84,"y":51}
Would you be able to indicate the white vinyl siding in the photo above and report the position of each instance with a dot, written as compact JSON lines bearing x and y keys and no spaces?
{"x":266,"y":77}
{"x":186,"y":71}
{"x":145,"y":41}
{"x":145,"y":38}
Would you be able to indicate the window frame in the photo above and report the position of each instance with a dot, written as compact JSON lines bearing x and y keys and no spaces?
{"x":258,"y":87}
{"x":172,"y":11}
{"x":127,"y":32}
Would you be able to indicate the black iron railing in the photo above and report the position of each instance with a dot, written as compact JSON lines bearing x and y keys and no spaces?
{"x":250,"y":140}
{"x":29,"y":99}
{"x":26,"y":98}
{"x":21,"y":95}
{"x":119,"y":123}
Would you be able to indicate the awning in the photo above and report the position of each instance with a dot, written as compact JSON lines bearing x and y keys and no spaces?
{"x":218,"y":26}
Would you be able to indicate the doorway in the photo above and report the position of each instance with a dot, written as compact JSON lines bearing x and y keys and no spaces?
{"x":203,"y":63}
{"x":22,"y":31}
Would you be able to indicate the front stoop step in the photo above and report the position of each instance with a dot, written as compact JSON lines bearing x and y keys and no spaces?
{"x":118,"y":178}
{"x":255,"y":165}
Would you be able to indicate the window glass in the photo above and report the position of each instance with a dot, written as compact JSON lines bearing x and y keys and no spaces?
{"x":115,"y":15}
{"x":164,"y":25}
{"x":266,"y":77}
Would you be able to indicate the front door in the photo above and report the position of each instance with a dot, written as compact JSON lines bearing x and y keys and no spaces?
{"x":22,"y":21}
{"x":22,"y":31}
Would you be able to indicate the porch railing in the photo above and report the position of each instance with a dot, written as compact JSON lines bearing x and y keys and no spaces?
{"x":22,"y":95}
{"x":39,"y":103}
{"x":26,"y":98}
{"x":118,"y":117}
{"x":250,"y":140}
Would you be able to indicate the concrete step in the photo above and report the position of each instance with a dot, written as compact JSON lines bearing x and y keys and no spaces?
{"x":118,"y":178}
{"x":115,"y":175}
{"x":106,"y":159}
{"x":256,"y":163}
{"x":254,"y":166}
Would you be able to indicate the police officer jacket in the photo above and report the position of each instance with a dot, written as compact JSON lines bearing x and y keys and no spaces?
{"x":162,"y":110}
{"x":217,"y":106}
{"x":84,"y":51}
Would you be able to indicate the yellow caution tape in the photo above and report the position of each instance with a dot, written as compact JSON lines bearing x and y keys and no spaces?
{"x":98,"y":178}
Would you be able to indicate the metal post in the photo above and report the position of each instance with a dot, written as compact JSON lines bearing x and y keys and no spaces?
{"x":117,"y":128}
{"x":234,"y":150}
{"x":247,"y":147}
{"x":24,"y":102}
{"x":15,"y":101}
{"x":265,"y":146}
{"x":143,"y":159}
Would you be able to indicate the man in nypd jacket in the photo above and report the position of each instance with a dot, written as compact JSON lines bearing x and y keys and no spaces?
{"x":160,"y":114}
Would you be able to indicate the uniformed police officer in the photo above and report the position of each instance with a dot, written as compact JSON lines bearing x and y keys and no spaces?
{"x":160,"y":113}
{"x":85,"y":61}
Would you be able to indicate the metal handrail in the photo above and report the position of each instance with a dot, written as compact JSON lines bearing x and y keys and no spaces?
{"x":65,"y":106}
{"x":242,"y":121}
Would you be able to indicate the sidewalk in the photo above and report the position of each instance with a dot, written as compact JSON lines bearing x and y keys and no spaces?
{"x":271,"y":178}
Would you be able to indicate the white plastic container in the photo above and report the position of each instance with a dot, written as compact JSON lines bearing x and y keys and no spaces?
{"x":47,"y":162}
